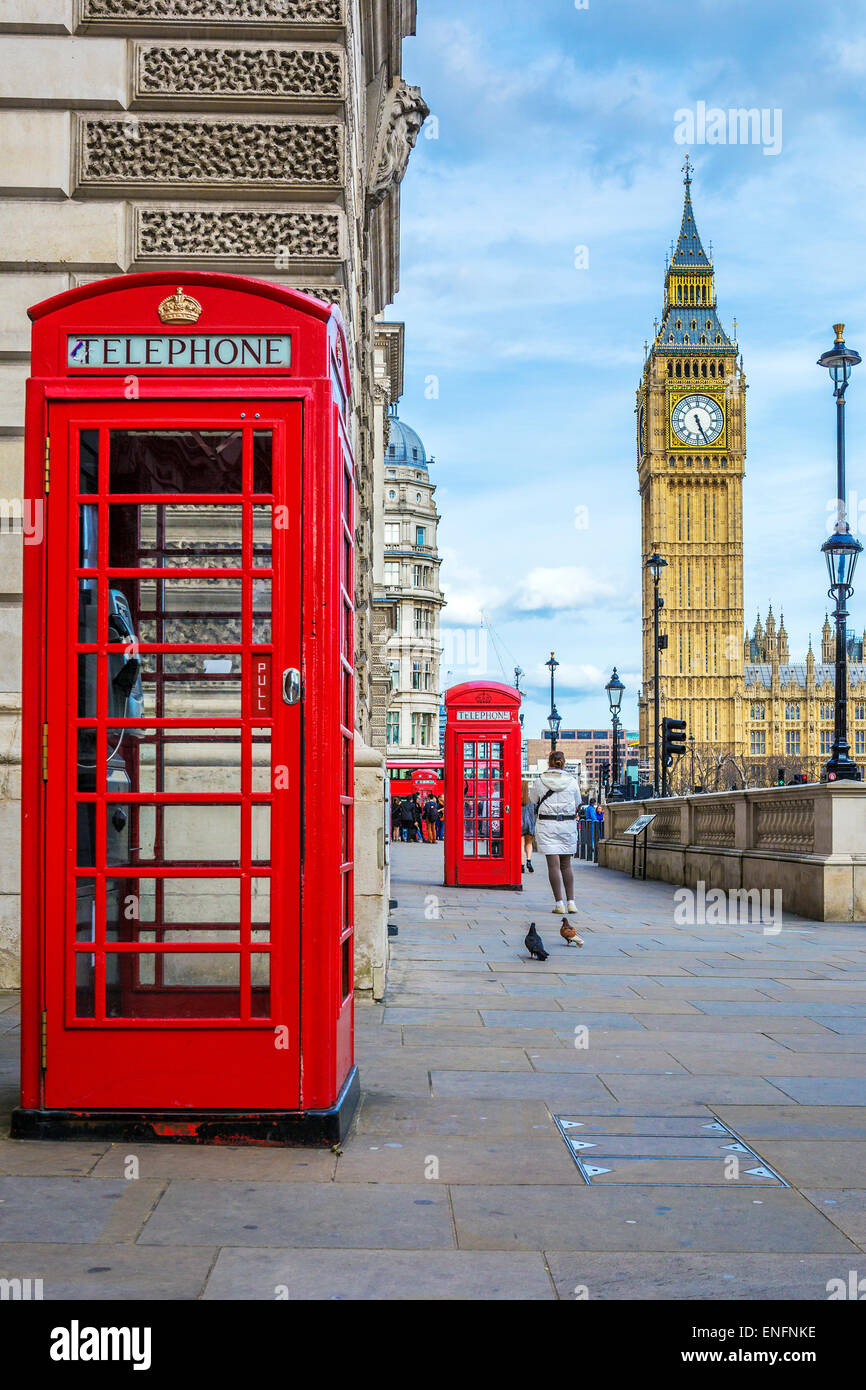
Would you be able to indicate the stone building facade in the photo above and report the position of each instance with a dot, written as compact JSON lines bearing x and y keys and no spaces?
{"x":261,"y":137}
{"x":791,"y":705}
{"x":408,"y":600}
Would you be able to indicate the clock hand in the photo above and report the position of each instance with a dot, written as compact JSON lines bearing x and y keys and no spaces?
{"x":700,"y":427}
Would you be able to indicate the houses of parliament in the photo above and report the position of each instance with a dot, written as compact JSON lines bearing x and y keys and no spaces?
{"x":750,"y":711}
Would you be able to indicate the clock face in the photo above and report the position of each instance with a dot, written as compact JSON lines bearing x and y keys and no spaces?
{"x":697,"y":420}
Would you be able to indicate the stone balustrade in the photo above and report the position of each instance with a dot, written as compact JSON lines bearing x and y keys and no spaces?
{"x":808,"y":842}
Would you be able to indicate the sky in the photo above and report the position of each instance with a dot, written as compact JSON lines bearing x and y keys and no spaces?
{"x":537,"y":211}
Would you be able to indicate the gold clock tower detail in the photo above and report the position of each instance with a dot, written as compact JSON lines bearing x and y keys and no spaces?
{"x":691,"y":428}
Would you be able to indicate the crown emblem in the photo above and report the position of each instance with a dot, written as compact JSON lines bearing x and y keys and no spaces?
{"x":179,"y":308}
{"x":485,"y":699}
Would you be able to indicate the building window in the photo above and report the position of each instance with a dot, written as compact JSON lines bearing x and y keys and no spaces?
{"x":758,"y":743}
{"x":416,"y":675}
{"x":792,"y":742}
{"x":758,"y":712}
{"x":422,"y":622}
{"x":392,"y":533}
{"x":859,"y":712}
{"x":392,"y":572}
{"x":826,"y":737}
{"x":860,"y":741}
{"x":420,"y":532}
{"x":392,"y":494}
{"x":422,"y":730}
{"x":392,"y":726}
{"x":827,"y":711}
{"x":792,"y":712}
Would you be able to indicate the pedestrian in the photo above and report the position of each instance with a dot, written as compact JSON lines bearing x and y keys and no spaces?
{"x":440,"y":819}
{"x":431,"y":811}
{"x":417,"y":819}
{"x":527,"y":829}
{"x":406,"y":819}
{"x":556,"y":797}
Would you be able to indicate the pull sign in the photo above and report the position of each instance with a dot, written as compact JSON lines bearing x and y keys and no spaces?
{"x":262,"y":687}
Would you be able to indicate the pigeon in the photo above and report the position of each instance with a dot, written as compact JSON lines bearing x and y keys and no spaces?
{"x":534,"y":944}
{"x":570,"y":936}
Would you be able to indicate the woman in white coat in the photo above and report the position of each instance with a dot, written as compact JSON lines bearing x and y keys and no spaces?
{"x":556,"y":796}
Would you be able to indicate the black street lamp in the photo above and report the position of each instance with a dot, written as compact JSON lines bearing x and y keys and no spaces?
{"x":655,"y":564}
{"x":841,"y":550}
{"x":518,"y":672}
{"x":614,"y":690}
{"x":553,"y":719}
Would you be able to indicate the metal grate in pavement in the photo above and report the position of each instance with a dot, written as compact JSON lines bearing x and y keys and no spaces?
{"x":663,"y":1150}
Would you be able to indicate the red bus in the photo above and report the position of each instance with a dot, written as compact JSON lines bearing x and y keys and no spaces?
{"x":409,"y":777}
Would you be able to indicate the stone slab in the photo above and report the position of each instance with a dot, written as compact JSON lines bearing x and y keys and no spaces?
{"x":45,"y":1158}
{"x":626,"y":1218}
{"x":846,"y":1209}
{"x":116,"y":1273}
{"x":822,"y":1090}
{"x":164,"y":1162}
{"x":456,"y":1159}
{"x":381,"y":1275}
{"x":703,"y":1090}
{"x":474,"y":1118}
{"x":692,"y":1278}
{"x":556,"y":1088}
{"x":349,"y":1215}
{"x":87,"y":1210}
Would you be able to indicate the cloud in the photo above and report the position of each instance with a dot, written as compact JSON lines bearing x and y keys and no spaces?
{"x":564,"y":589}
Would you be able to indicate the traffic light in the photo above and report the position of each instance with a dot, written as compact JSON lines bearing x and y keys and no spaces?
{"x":605,"y":772}
{"x":673,"y":739}
{"x":780,"y":777}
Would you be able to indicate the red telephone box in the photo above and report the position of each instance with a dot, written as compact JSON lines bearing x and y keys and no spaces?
{"x":482,"y":785}
{"x":188,"y":716}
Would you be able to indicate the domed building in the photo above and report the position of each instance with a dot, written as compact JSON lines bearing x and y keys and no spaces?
{"x":407,"y":600}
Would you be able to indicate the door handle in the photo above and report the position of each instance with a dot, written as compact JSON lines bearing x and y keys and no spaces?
{"x":291,"y":685}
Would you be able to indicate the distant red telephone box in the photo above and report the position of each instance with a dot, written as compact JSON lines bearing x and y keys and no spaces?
{"x":188,"y":716}
{"x":482,"y":785}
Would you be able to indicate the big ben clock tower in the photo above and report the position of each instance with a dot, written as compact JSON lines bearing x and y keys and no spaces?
{"x":691,"y":442}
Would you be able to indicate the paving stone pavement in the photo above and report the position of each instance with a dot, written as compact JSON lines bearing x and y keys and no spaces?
{"x":668,"y":1049}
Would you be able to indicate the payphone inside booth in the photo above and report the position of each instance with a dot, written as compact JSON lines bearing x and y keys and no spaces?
{"x":186,"y":927}
{"x":482,"y":785}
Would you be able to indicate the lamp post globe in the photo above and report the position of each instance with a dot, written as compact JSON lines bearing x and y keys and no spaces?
{"x":553,"y":719}
{"x":615,"y":690}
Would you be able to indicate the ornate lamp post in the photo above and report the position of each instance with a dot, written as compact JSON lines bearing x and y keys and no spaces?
{"x":655,"y":564}
{"x":614,"y":690}
{"x":841,"y":550}
{"x":553,"y":719}
{"x":518,"y":672}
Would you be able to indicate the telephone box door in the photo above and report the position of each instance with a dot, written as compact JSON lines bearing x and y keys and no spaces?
{"x":173,"y":829}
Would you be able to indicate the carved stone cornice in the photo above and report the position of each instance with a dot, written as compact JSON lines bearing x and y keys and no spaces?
{"x":267,"y":75}
{"x":196,"y":153}
{"x":261,"y":237}
{"x":401,"y":117}
{"x":195,"y":16}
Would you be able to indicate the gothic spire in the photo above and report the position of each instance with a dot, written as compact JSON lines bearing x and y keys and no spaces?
{"x":689,"y":252}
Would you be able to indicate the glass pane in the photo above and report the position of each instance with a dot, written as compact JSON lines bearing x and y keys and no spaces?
{"x":88,"y":539}
{"x":187,"y":834}
{"x":262,"y":611}
{"x":88,"y":461}
{"x":261,"y":837}
{"x":85,"y":930}
{"x":262,"y":781}
{"x":261,"y":982}
{"x":171,"y":984}
{"x":185,"y":610}
{"x":469,"y":849}
{"x":191,"y":685}
{"x":262,"y":465}
{"x":156,"y":909}
{"x":87,"y":666}
{"x":260,"y":902}
{"x":182,"y":760}
{"x":175,"y":461}
{"x":175,"y":536}
{"x":262,"y":534}
{"x":468,"y":751}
